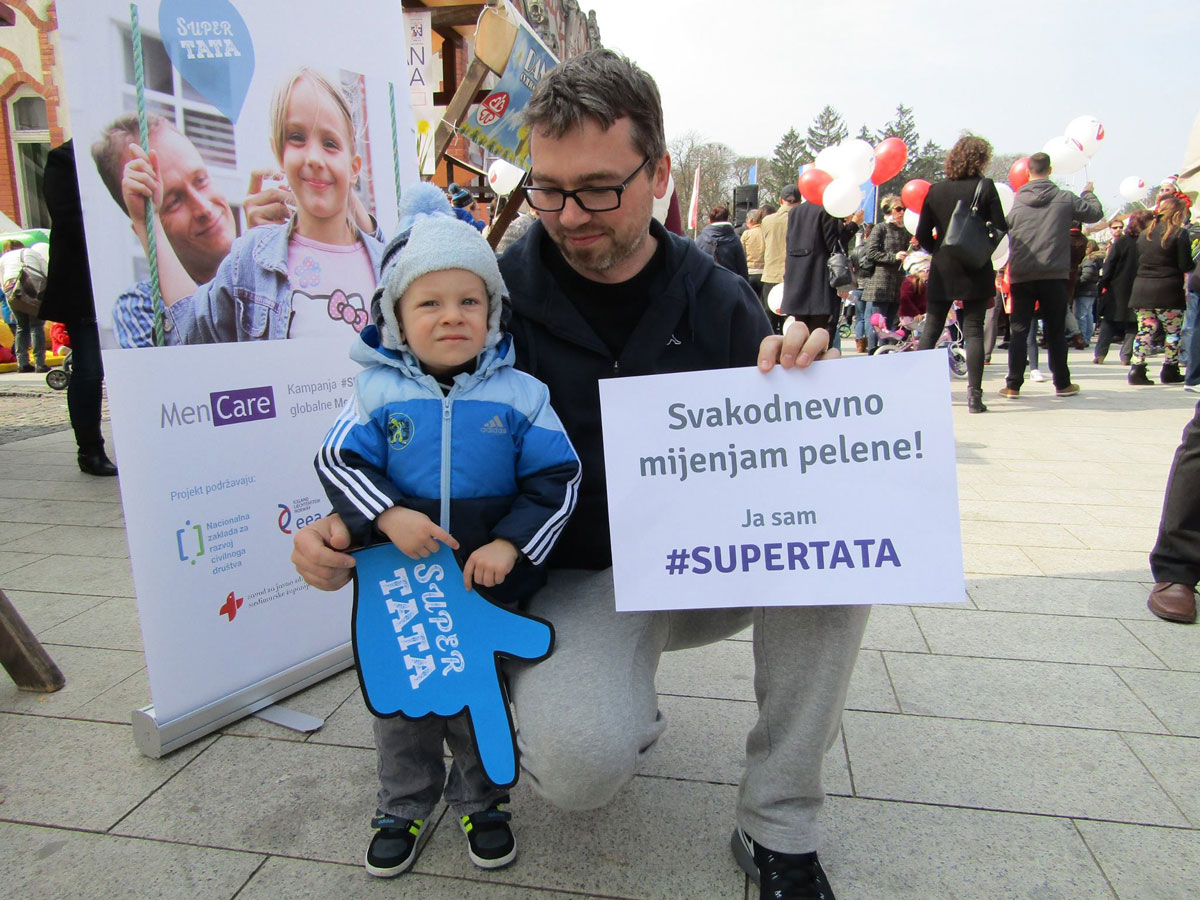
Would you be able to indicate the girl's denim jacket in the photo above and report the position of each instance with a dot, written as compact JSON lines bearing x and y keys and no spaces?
{"x":250,"y":298}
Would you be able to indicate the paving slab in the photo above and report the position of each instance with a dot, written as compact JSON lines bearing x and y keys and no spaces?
{"x":89,"y":672}
{"x":321,"y":700}
{"x":1020,"y":768}
{"x":658,"y":840}
{"x":894,"y":628}
{"x":1174,"y":762}
{"x":277,"y":797}
{"x":99,"y":575}
{"x":60,"y":512}
{"x":1176,"y":645}
{"x":347,"y":726}
{"x":74,"y":775}
{"x":1171,"y":696}
{"x":110,"y":624}
{"x":280,"y":877}
{"x":1035,"y":637}
{"x":881,"y":850}
{"x":1032,"y":693}
{"x":722,"y":671}
{"x":1146,"y":863}
{"x":1061,"y":596}
{"x":56,"y":864}
{"x":43,"y":610}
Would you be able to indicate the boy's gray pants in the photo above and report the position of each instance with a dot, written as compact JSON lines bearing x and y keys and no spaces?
{"x":588,"y":716}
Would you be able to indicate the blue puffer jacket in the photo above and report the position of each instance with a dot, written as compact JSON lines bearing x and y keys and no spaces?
{"x":489,"y":459}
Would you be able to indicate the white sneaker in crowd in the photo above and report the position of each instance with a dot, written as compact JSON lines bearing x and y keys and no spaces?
{"x":1036,"y":375}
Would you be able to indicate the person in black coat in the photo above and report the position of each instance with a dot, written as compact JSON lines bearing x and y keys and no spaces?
{"x":1116,"y":283}
{"x":1158,"y":298}
{"x":722,"y":243}
{"x":69,"y":300}
{"x":813,"y":235}
{"x":948,"y":280}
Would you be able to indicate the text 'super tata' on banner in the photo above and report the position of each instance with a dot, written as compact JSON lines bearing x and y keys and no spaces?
{"x":227,"y":360}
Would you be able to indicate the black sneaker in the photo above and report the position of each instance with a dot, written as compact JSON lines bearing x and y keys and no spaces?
{"x":490,"y":842}
{"x":781,"y":876}
{"x":393,"y":850}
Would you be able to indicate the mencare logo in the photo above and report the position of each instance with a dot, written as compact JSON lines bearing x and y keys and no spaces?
{"x":223,"y":408}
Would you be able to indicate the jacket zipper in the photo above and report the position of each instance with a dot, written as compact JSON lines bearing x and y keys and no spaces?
{"x":445,"y":499}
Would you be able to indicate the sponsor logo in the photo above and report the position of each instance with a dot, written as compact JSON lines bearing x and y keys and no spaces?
{"x":494,"y":425}
{"x":493,"y":108}
{"x":231,"y":605}
{"x":297,"y":515}
{"x":223,"y":408}
{"x":399,"y":430}
{"x":189,"y":540}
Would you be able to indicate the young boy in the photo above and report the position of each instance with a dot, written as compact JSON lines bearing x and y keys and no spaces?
{"x":444,"y":441}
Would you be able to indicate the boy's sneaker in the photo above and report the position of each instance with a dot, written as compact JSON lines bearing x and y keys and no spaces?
{"x":393,"y":850}
{"x":490,"y":842}
{"x":780,"y":876}
{"x":1036,"y":375}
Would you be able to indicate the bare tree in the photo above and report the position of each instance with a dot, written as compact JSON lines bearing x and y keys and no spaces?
{"x":720,"y":171}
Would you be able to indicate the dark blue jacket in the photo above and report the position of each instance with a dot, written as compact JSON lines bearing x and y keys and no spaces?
{"x":722,"y":243}
{"x":705,"y":318}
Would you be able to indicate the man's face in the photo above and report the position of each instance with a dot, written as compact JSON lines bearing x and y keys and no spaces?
{"x":194,"y":214}
{"x":610,"y":246}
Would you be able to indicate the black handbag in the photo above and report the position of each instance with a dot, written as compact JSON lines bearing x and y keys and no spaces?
{"x":969,"y":239}
{"x":838,"y":266}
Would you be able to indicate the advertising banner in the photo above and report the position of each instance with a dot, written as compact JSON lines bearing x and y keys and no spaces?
{"x":495,"y":124}
{"x":835,"y":485}
{"x":264,"y":213}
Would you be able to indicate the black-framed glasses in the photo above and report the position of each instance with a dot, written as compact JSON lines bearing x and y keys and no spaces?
{"x":603,"y":198}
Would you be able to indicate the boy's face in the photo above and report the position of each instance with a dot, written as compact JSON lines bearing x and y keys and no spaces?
{"x":444,"y":318}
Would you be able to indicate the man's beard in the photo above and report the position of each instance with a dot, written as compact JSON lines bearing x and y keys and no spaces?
{"x":600,"y":260}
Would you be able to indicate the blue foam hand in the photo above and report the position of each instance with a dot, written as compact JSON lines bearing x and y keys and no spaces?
{"x":210,"y":45}
{"x":425,"y":645}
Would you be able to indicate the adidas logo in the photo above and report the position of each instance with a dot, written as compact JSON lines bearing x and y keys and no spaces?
{"x":494,"y":426}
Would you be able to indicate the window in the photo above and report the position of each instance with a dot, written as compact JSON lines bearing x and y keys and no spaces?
{"x":30,"y":145}
{"x":169,"y":95}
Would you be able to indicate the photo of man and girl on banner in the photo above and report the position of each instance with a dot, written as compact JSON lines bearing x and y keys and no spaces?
{"x":272,"y":148}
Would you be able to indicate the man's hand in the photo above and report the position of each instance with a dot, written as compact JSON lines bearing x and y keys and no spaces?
{"x":1089,"y":188}
{"x":317,"y":556}
{"x":139,"y":183}
{"x":414,"y":533}
{"x":490,"y":564}
{"x":796,"y":349}
{"x":857,"y":218}
{"x":270,"y":207}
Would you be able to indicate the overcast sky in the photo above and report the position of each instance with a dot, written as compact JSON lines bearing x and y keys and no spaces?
{"x":743,"y":71}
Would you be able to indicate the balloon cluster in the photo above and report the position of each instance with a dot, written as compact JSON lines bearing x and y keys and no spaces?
{"x":838,"y":175}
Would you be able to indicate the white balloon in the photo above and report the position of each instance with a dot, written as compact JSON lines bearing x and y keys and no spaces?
{"x":1133,"y":189}
{"x":860,"y":160}
{"x":775,"y":299}
{"x":662,"y":205}
{"x":503,"y":177}
{"x":834,"y":160}
{"x":1006,"y":196}
{"x":1066,"y":155}
{"x":1000,"y":254}
{"x":911,"y":218}
{"x":1088,"y":132}
{"x":842,"y":197}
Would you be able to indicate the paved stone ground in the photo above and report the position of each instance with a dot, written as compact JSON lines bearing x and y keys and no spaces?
{"x":1040,"y":740}
{"x":29,"y":407}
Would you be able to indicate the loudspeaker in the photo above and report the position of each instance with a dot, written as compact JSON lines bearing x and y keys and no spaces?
{"x":745,"y":198}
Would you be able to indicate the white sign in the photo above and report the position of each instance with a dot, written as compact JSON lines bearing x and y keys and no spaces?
{"x":216,"y":442}
{"x":835,"y":485}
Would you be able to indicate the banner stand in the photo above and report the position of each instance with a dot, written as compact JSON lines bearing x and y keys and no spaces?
{"x":156,"y":739}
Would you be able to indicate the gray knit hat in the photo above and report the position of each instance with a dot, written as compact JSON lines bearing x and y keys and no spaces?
{"x":432,"y":238}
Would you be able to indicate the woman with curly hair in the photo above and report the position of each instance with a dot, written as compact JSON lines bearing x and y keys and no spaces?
{"x":1164,"y":258}
{"x":949,"y":281}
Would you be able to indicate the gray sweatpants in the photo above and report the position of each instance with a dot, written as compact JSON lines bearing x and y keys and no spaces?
{"x":588,"y":716}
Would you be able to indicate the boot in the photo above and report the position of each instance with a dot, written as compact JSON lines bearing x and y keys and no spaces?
{"x":1170,"y":374}
{"x":1137,"y":375}
{"x":96,"y":463}
{"x":860,"y":344}
{"x":975,"y":401}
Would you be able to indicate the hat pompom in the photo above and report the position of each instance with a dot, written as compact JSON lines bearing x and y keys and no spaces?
{"x":424,"y":199}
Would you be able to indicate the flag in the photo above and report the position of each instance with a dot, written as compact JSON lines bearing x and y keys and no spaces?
{"x":870,"y":201}
{"x":694,"y":207}
{"x":753,"y":179}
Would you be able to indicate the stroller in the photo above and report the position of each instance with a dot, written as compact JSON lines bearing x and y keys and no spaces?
{"x":906,"y":339}
{"x":59,"y":378}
